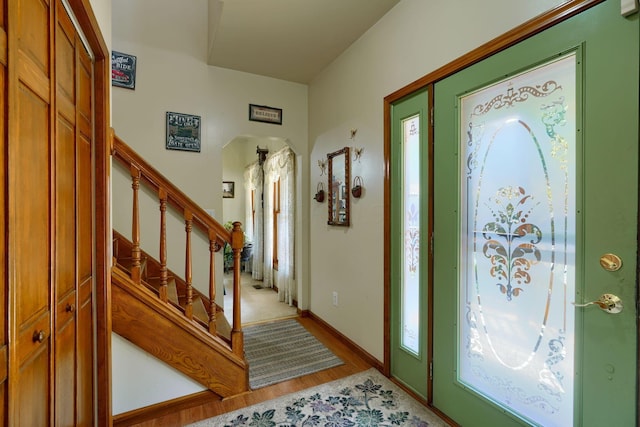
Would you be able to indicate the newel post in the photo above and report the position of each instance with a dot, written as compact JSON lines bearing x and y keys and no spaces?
{"x":237,"y":243}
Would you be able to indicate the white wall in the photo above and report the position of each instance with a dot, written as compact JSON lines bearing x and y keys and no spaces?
{"x":169,"y":39}
{"x":142,"y":380}
{"x":413,"y":39}
{"x":102,"y":11}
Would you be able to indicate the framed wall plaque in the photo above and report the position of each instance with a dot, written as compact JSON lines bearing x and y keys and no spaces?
{"x":123,"y":70}
{"x":262,"y":113}
{"x":183,"y":132}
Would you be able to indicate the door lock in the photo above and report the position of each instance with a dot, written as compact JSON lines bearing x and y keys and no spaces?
{"x":610,"y":262}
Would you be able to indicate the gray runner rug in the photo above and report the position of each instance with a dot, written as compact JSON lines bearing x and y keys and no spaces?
{"x":283,"y":350}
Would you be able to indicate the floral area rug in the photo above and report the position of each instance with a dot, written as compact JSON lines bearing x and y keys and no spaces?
{"x":364,"y":399}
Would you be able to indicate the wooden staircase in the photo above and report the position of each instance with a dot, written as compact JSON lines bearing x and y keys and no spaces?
{"x":176,"y":288}
{"x":162,"y":312}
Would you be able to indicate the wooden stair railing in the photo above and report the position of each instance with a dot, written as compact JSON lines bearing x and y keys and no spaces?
{"x":169,"y":287}
{"x":194,"y":216}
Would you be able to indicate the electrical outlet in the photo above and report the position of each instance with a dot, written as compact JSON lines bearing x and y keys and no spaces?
{"x":335,"y":298}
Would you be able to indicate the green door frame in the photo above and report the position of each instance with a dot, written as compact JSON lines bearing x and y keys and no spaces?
{"x":410,"y":369}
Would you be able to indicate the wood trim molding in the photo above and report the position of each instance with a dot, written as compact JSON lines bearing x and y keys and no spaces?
{"x":355,"y":348}
{"x":161,"y":409}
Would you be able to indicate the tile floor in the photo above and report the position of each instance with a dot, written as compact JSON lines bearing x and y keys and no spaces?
{"x":256,"y":305}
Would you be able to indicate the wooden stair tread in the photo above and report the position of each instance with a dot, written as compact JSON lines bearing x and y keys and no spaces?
{"x":126,"y":262}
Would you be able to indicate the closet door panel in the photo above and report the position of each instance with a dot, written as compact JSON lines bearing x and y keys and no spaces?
{"x":30,"y":218}
{"x":66,"y":221}
{"x":85,"y":241}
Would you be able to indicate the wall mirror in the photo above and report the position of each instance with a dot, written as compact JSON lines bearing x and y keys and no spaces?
{"x":339,"y":180}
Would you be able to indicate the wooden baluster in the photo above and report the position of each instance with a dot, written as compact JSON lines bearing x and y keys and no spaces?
{"x":135,"y":227}
{"x":213,"y":246}
{"x":188,"y":309}
{"x":162,"y":193}
{"x":237,"y":243}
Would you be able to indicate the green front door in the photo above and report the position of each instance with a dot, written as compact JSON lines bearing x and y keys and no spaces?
{"x":536,"y":180}
{"x":409,"y":242}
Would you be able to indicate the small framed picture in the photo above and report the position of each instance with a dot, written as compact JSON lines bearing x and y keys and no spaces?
{"x":183,"y":132}
{"x":228,"y":189}
{"x":262,"y":113}
{"x":123,"y":70}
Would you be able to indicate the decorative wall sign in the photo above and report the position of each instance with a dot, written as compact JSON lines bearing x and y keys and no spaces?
{"x":183,"y":132}
{"x":228,"y":189}
{"x":123,"y":70}
{"x":262,"y":113}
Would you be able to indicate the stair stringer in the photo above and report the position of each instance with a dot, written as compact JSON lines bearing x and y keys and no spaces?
{"x":161,"y":330}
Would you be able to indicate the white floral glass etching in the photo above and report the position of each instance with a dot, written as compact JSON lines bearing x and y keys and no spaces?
{"x":516,"y":321}
{"x":411,"y":272}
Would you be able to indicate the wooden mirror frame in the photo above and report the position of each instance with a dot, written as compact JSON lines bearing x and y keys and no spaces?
{"x":341,"y":193}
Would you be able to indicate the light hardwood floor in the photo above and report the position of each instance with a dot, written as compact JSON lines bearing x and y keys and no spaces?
{"x":257,"y":305}
{"x":207,"y":409}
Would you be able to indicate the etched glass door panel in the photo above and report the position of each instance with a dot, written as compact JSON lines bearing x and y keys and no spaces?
{"x":410,"y":283}
{"x":408,"y":243}
{"x":517,"y":252}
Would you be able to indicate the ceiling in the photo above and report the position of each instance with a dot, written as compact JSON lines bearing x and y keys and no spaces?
{"x":291,"y":40}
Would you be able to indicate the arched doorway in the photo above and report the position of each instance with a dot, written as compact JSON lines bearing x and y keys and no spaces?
{"x":260,"y":172}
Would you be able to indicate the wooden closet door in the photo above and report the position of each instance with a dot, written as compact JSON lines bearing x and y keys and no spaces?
{"x":30,"y":159}
{"x":85,"y":242}
{"x":74,"y":228}
{"x":65,"y":219}
{"x":50,"y":243}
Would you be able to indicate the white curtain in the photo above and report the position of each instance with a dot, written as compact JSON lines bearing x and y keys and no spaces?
{"x":253,"y":179}
{"x":280,"y":166}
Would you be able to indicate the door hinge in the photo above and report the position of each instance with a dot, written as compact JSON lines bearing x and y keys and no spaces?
{"x":430,"y":370}
{"x":431,"y":117}
{"x":431,"y":244}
